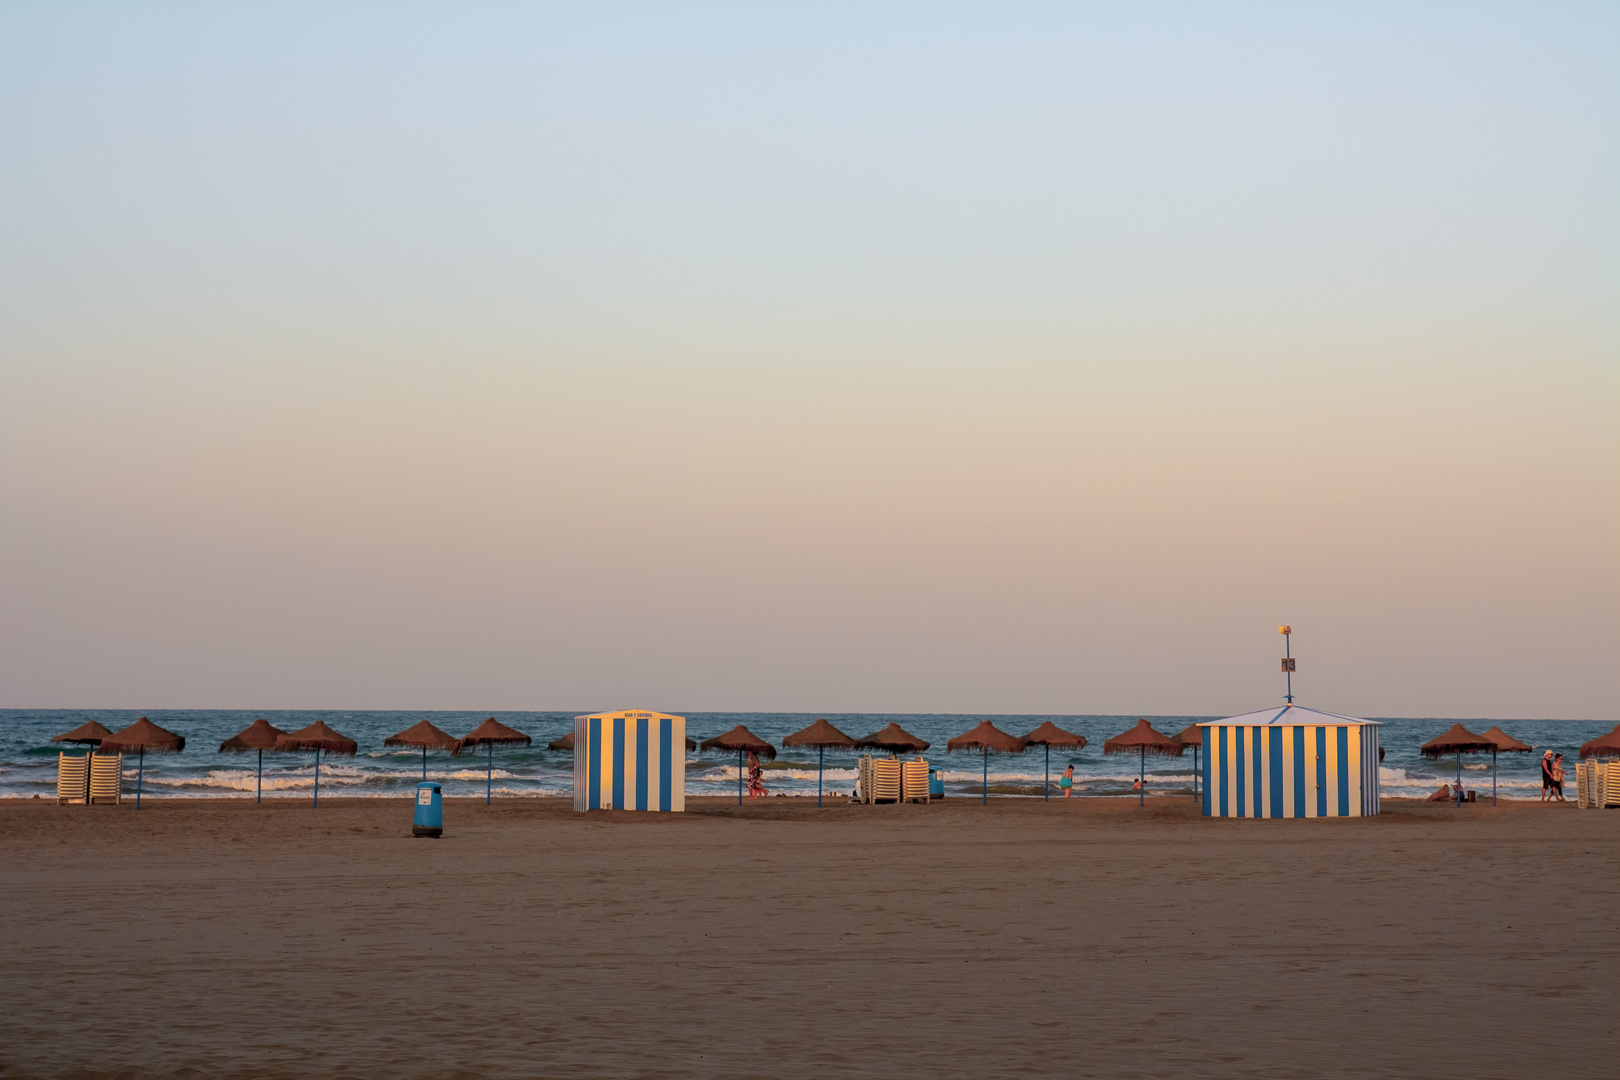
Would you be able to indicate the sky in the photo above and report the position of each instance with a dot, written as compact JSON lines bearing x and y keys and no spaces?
{"x":1000,"y":358}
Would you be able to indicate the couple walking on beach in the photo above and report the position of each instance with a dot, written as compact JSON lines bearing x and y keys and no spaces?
{"x":1552,"y":776}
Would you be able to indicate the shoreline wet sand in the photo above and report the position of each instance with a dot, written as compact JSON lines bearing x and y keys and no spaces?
{"x":1090,"y":937}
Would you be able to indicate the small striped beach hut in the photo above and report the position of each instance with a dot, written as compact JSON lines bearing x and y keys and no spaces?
{"x":1290,"y":762}
{"x":630,"y":760}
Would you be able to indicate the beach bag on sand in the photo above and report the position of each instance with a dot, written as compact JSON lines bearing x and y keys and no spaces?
{"x":72,"y":778}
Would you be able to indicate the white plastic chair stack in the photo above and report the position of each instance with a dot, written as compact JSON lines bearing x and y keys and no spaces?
{"x":106,"y":778}
{"x":1583,"y":784}
{"x":914,"y":780}
{"x":72,"y":778}
{"x":865,"y":780}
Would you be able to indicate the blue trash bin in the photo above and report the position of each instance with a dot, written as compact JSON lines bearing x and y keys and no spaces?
{"x":936,"y":784}
{"x":429,"y":819}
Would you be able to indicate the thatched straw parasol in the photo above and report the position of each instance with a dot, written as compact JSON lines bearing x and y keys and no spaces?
{"x":89,"y":733}
{"x":1144,"y":740}
{"x":1459,"y":740}
{"x":491,"y":733}
{"x":319,"y":738}
{"x":1603,"y":746}
{"x":1192,"y":735}
{"x":142,"y":735}
{"x":743,"y":741}
{"x":895,"y":739}
{"x":820,"y":735}
{"x":423,"y":734}
{"x":1050,"y":735}
{"x":987,"y":738}
{"x":1503,"y":741}
{"x":261,"y":735}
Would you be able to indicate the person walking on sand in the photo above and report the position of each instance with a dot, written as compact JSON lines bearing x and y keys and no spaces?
{"x":1546,"y":775}
{"x":1066,"y":781}
{"x":1558,"y":777}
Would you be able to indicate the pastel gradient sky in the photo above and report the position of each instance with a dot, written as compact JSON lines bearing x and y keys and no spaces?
{"x":960,"y":358}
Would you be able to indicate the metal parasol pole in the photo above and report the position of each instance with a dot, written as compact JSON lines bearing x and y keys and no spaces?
{"x":258,"y":793}
{"x":140,"y":775}
{"x":317,"y":776}
{"x":1195,"y":772}
{"x":489,"y":772}
{"x":1046,"y":781}
{"x":986,"y":750}
{"x":424,"y":761}
{"x":1141,"y":778}
{"x":821,"y":764}
{"x":1493,"y":776}
{"x":1459,"y":776}
{"x":739,"y":776}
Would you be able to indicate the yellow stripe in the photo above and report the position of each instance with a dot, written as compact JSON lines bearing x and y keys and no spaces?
{"x":1288,"y":771}
{"x":630,"y":724}
{"x":1332,"y":771}
{"x":1353,"y":744}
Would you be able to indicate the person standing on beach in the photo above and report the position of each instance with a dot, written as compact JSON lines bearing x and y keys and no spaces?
{"x":1558,"y":777}
{"x":1546,"y":775}
{"x":1066,"y":781}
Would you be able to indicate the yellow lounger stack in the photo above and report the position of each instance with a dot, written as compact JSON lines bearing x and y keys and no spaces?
{"x":885,"y":780}
{"x":106,"y":778}
{"x":72,"y":778}
{"x":914,"y":779}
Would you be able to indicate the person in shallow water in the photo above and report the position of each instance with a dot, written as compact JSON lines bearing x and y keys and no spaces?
{"x":756,"y":778}
{"x":1066,"y":781}
{"x":1138,"y":784}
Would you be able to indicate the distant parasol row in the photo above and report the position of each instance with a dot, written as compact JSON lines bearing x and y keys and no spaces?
{"x":1287,"y":762}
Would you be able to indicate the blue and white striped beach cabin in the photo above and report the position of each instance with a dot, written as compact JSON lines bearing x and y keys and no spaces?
{"x":631,"y":760}
{"x":1290,"y":762}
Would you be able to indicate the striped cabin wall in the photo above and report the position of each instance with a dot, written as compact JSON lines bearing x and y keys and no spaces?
{"x":633,"y":760}
{"x":1290,"y":770}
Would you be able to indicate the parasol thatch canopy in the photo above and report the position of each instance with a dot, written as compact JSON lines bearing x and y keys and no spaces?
{"x":88,"y":733}
{"x":1459,"y":740}
{"x":259,"y":735}
{"x":422,"y":736}
{"x":740,"y":738}
{"x":1504,"y":741}
{"x":1145,"y":740}
{"x":893,"y":738}
{"x":1191,"y":735}
{"x":822,"y":735}
{"x":1049,"y":734}
{"x":989,"y":738}
{"x":318,"y":736}
{"x":493,"y":733}
{"x":1603,"y":746}
{"x":143,"y":736}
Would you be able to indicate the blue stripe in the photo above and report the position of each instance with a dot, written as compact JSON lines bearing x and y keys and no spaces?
{"x":1276,"y":770}
{"x":1300,"y":751}
{"x":1343,"y":735}
{"x":1259,"y":806}
{"x":618,"y":763}
{"x":1239,"y":773}
{"x":594,"y":765}
{"x":1221,"y":748}
{"x":1321,"y":771}
{"x":1209,"y":749}
{"x":666,"y":762}
{"x":641,"y":763}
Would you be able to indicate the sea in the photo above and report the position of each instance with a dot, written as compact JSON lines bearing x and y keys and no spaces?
{"x":28,"y":757}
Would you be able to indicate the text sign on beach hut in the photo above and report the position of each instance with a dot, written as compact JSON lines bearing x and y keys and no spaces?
{"x":630,"y":760}
{"x":1290,"y":762}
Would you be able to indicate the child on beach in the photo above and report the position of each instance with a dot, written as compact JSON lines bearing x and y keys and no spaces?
{"x":1066,"y":781}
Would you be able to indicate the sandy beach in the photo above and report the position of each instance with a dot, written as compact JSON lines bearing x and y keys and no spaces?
{"x":220,"y":938}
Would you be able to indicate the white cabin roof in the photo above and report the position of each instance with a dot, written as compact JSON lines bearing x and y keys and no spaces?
{"x":1289,"y":716}
{"x":630,"y":714}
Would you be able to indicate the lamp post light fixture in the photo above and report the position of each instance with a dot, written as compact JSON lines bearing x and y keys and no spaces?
{"x":1288,"y":660}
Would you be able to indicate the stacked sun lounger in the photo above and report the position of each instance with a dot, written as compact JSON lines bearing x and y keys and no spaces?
{"x":864,"y":778}
{"x":1597,"y":784}
{"x":106,"y":778}
{"x":1611,"y":784}
{"x":885,"y":780}
{"x":72,"y":778}
{"x":914,"y":780}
